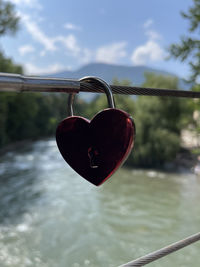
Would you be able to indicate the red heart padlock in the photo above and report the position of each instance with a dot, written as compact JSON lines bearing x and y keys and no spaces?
{"x":96,"y":149}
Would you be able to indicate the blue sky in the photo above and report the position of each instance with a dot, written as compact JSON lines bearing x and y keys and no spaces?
{"x":61,"y":35}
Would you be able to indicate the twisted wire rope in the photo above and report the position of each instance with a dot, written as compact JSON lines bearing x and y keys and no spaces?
{"x":134,"y":90}
{"x":163,"y":252}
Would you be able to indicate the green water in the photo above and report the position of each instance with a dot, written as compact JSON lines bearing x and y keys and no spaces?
{"x":51,"y":217}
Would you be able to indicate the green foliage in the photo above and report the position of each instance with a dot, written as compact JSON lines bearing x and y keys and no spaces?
{"x":158,"y":124}
{"x":124,"y":82}
{"x":8,"y":19}
{"x":29,"y":116}
{"x":158,"y":120}
{"x":3,"y":118}
{"x":8,"y":24}
{"x":158,"y":133}
{"x":189,"y":47}
{"x":6,"y":65}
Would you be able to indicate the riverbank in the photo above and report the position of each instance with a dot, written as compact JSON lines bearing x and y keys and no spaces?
{"x":14,"y":146}
{"x":185,"y":160}
{"x":19,"y":144}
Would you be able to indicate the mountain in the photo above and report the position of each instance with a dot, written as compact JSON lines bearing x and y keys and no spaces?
{"x":107,"y":72}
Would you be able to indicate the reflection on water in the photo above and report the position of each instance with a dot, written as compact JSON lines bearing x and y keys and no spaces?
{"x":50,"y":216}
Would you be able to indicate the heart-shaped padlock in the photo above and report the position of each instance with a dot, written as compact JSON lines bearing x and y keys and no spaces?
{"x":96,"y":149}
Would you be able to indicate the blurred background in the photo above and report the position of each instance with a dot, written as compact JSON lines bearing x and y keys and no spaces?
{"x":49,"y":215}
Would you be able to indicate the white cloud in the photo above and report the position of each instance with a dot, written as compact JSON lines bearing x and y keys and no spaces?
{"x":151,"y":51}
{"x":26,"y":49}
{"x":70,"y":42}
{"x":153,"y":35}
{"x":27,"y":3}
{"x":86,"y":56}
{"x":111,"y":53}
{"x":32,"y":69}
{"x":71,"y":26}
{"x":37,"y":34}
{"x":51,"y":43}
{"x":148,"y":23}
{"x":43,"y":53}
{"x":149,"y":32}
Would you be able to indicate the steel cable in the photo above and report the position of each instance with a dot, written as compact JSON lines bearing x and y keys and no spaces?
{"x":20,"y":83}
{"x":163,"y":252}
{"x":134,"y":90}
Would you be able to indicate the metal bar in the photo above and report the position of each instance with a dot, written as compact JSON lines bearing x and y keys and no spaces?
{"x":20,"y":83}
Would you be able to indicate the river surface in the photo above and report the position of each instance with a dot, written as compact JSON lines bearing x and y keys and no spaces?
{"x":51,"y":217}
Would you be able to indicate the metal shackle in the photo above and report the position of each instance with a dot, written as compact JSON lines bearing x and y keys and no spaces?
{"x":97,"y":82}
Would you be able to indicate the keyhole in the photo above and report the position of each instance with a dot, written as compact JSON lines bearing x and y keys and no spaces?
{"x":93,"y":156}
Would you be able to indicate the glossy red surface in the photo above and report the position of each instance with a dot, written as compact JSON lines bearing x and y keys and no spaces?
{"x":96,"y":149}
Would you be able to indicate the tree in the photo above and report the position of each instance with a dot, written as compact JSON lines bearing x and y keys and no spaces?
{"x":8,"y":25}
{"x":189,"y":47}
{"x":7,"y":65}
{"x":158,"y":125}
{"x":8,"y":19}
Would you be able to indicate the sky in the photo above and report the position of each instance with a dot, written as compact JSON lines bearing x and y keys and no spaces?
{"x":65,"y":35}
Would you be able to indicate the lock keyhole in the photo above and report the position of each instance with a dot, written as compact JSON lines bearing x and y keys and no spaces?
{"x":93,"y":155}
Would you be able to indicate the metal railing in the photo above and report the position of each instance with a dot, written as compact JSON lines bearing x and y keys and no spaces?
{"x":20,"y":83}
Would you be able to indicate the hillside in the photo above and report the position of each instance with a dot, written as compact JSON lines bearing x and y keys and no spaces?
{"x":108,"y":72}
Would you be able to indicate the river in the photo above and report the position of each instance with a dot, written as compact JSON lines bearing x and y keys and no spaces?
{"x":51,"y":217}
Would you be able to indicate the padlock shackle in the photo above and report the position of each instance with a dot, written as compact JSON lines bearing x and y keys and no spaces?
{"x":97,"y":82}
{"x":70,"y":104}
